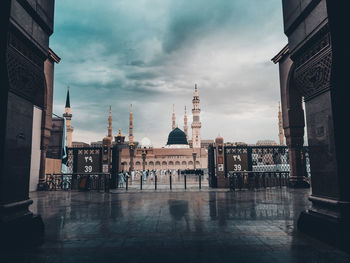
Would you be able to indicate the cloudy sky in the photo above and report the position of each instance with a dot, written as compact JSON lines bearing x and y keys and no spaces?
{"x":151,"y":53}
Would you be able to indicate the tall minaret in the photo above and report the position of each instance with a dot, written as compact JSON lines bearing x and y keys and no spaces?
{"x":131,"y":140}
{"x":173,"y":126}
{"x":131,"y":127}
{"x":110,"y":130}
{"x":68,"y":117}
{"x":196,"y":123}
{"x":185,"y":124}
{"x":280,"y":126}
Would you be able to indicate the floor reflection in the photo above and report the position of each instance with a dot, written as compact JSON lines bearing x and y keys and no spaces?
{"x":176,"y":226}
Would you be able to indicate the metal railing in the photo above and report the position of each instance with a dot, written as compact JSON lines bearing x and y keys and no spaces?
{"x":257,"y":180}
{"x":78,"y":181}
{"x":162,"y":182}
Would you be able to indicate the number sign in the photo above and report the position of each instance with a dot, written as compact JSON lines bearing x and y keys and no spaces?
{"x":237,"y":162}
{"x":88,"y":162}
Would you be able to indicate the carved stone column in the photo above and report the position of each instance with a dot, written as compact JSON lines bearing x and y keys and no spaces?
{"x":318,"y":45}
{"x":24,"y":48}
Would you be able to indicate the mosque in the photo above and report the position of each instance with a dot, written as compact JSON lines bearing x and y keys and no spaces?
{"x":178,"y":153}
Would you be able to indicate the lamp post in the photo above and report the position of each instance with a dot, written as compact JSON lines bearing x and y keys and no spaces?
{"x":144,"y":153}
{"x":194,"y":155}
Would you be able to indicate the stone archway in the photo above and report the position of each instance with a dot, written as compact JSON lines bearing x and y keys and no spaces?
{"x":293,"y":117}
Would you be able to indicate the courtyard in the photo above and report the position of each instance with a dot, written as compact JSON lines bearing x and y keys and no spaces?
{"x":175,"y":226}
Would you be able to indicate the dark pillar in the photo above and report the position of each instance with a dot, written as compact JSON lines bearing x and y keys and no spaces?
{"x":295,"y":140}
{"x":131,"y":151}
{"x":222,"y":181}
{"x":46,"y":123}
{"x":317,"y":37}
{"x":24,"y":48}
{"x":194,"y":155}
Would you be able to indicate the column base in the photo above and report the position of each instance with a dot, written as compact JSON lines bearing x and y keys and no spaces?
{"x":41,"y":186}
{"x":222,"y":182}
{"x":298,"y":182}
{"x":327,"y":220}
{"x":19,"y":227}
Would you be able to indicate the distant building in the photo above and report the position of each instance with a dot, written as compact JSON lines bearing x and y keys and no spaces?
{"x":178,"y":153}
{"x":204,"y":143}
{"x":266,"y":143}
{"x":80,"y":144}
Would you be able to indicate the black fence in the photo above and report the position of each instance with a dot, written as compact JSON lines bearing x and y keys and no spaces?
{"x":75,"y":181}
{"x":257,"y":180}
{"x":171,"y":180}
{"x":253,"y":167}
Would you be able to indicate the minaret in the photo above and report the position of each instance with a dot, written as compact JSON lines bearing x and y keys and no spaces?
{"x":68,"y":117}
{"x":174,"y":120}
{"x":131,"y":127}
{"x":110,"y":130}
{"x":185,"y":124}
{"x":280,"y":126}
{"x":196,"y":123}
{"x":131,"y":140}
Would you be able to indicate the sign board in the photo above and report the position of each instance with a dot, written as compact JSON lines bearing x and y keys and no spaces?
{"x":220,"y":159}
{"x":89,"y":161}
{"x":237,"y":162}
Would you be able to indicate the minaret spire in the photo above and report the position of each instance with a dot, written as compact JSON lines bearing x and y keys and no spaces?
{"x":110,"y":130}
{"x":173,"y":119}
{"x":196,"y":123}
{"x":280,"y":125}
{"x":67,"y":98}
{"x":185,"y":124}
{"x":131,"y":127}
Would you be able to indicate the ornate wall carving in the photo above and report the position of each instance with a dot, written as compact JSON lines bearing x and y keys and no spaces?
{"x":312,"y":73}
{"x":25,"y":71}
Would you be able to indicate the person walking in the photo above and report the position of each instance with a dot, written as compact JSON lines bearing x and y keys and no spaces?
{"x":121,"y":179}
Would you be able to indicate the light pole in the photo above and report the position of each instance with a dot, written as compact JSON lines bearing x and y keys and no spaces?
{"x":194,"y":155}
{"x":144,"y":153}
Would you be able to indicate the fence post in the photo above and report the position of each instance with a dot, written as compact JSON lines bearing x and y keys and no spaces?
{"x":171,"y":187}
{"x":141,"y":178}
{"x":127,"y":183}
{"x":155,"y":182}
{"x":200,"y":182}
{"x":185,"y":181}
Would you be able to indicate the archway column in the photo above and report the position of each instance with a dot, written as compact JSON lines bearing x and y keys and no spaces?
{"x":318,"y":47}
{"x":295,"y":142}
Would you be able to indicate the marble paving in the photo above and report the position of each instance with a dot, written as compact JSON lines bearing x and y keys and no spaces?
{"x":192,"y":226}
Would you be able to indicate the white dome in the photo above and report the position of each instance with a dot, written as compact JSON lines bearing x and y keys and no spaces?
{"x":145,"y":142}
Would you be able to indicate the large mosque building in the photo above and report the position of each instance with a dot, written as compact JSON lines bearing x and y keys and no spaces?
{"x":176,"y":154}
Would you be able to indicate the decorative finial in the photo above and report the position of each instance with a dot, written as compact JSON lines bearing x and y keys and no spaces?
{"x":67,"y":99}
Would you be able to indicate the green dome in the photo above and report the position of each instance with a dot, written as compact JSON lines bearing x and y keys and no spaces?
{"x":177,"y":136}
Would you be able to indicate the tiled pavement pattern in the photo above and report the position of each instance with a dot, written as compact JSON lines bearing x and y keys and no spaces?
{"x":192,"y":226}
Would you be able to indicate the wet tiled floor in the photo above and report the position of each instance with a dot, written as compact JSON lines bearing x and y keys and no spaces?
{"x":192,"y":226}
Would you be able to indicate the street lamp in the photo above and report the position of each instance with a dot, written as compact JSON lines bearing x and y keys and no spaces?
{"x":194,"y":155}
{"x":144,"y":153}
